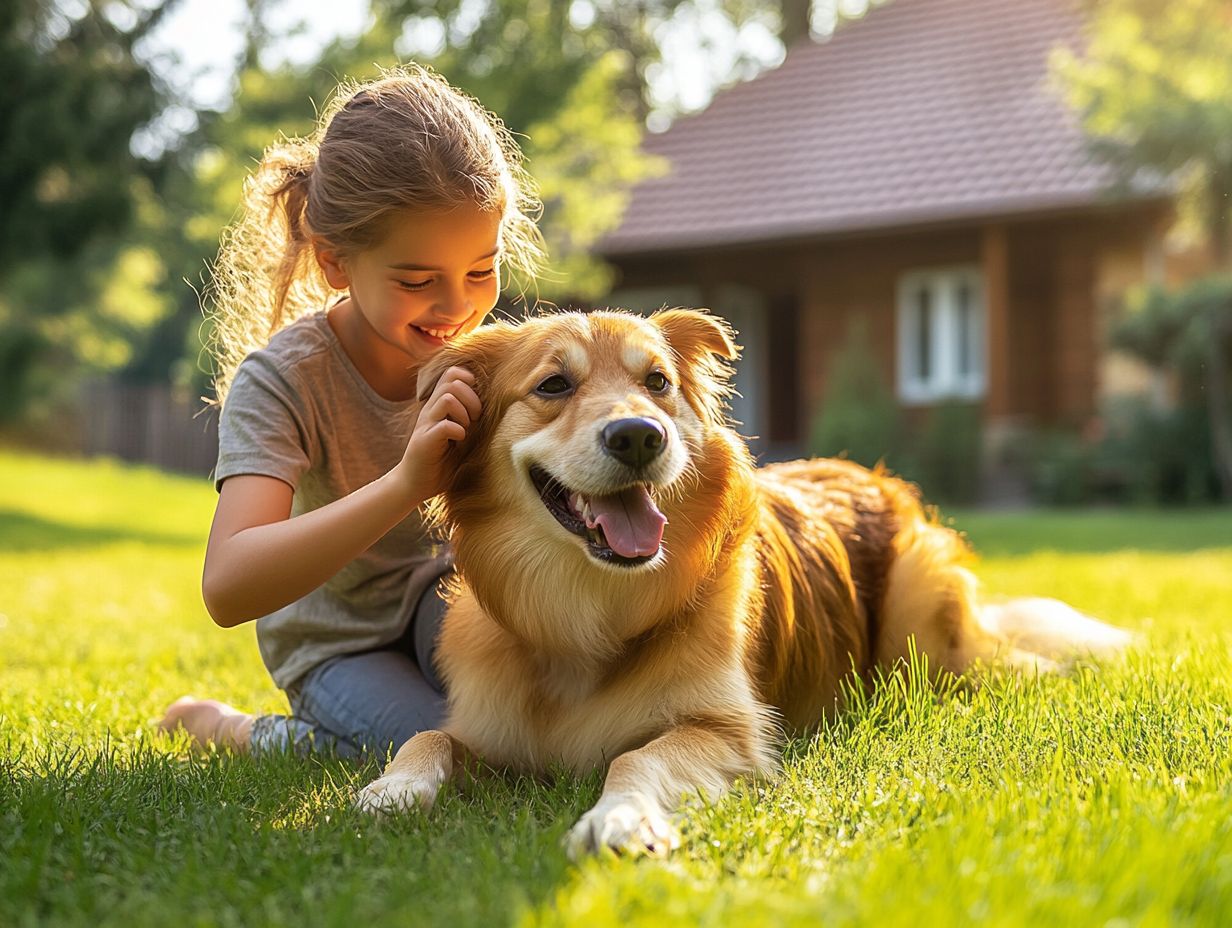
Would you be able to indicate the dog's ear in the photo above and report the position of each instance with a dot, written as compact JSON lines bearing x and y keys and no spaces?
{"x":478,"y":351}
{"x":434,"y":369}
{"x":691,"y":332}
{"x":705,"y":346}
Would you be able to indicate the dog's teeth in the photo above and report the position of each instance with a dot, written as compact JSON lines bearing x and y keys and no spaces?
{"x":586,"y":513}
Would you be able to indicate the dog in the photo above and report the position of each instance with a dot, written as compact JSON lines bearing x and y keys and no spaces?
{"x":633,"y":592}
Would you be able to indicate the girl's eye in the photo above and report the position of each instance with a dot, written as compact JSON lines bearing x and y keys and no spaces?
{"x":657,"y":382}
{"x":556,"y":385}
{"x":414,"y":284}
{"x":483,"y":275}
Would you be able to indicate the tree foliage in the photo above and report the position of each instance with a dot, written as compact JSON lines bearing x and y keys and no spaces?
{"x":72,"y":94}
{"x":1155,"y":91}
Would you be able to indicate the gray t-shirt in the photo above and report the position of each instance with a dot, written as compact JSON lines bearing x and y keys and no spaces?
{"x":300,"y":411}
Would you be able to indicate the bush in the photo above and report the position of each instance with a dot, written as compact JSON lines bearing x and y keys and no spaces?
{"x":860,"y":418}
{"x":1158,"y":457}
{"x":1061,"y":466}
{"x":946,"y":452}
{"x":1144,"y":456}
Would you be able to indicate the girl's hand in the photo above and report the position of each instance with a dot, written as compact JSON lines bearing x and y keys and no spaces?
{"x":444,"y":418}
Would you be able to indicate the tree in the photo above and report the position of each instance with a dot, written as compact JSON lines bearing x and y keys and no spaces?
{"x":1155,"y":90}
{"x":72,"y":94}
{"x":1179,"y":331}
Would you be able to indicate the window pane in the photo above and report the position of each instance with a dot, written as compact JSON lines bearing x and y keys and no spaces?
{"x":924,"y":335}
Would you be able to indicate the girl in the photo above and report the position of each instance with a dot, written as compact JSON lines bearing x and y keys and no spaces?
{"x":411,"y":198}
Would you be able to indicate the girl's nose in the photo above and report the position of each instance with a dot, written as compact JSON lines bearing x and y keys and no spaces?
{"x":454,"y":306}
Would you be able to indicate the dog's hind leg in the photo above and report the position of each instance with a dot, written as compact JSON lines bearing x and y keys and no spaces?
{"x":933,"y":596}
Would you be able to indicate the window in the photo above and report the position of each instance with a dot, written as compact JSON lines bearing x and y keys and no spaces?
{"x":940,"y":335}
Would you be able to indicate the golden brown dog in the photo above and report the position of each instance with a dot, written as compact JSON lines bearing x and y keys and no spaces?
{"x":635,"y":593}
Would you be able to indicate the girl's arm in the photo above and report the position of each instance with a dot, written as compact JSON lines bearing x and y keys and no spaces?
{"x":258,"y":559}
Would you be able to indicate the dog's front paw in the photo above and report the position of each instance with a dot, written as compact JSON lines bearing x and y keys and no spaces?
{"x":624,"y":824}
{"x":396,"y":792}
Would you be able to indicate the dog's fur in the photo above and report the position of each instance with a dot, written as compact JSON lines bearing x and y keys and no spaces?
{"x":771,"y":584}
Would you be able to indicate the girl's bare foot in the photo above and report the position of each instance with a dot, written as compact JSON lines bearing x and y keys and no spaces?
{"x":209,"y":721}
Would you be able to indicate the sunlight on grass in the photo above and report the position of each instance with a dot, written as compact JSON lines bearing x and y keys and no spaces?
{"x":1100,"y":796}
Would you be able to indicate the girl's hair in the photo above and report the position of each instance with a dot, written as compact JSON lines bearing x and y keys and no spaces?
{"x":408,"y":140}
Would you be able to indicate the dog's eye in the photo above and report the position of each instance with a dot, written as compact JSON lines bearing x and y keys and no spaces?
{"x":556,"y":385}
{"x":656,"y":382}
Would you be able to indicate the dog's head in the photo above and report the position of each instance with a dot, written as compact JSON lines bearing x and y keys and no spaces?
{"x":590,"y":425}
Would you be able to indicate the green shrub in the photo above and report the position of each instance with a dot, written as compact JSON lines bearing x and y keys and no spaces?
{"x":860,"y":418}
{"x":946,"y":451}
{"x":1060,"y":469}
{"x":1145,"y":456}
{"x":1160,"y":457}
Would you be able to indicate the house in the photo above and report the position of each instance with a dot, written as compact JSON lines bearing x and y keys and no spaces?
{"x":919,"y":171}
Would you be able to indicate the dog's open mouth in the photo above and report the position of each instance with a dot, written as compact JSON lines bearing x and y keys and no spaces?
{"x":624,"y":528}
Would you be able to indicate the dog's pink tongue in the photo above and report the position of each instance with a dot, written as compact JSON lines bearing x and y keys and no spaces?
{"x":631,"y":522}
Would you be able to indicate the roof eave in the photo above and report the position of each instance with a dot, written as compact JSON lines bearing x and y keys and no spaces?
{"x":865,"y":226}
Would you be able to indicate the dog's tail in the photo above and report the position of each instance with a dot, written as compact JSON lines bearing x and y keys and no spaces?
{"x":1051,"y":629}
{"x":932,"y":596}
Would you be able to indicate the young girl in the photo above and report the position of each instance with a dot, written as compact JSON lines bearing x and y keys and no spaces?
{"x":409,"y":198}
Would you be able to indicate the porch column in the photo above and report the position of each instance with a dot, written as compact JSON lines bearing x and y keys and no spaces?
{"x":1075,"y":346}
{"x":994,"y":258}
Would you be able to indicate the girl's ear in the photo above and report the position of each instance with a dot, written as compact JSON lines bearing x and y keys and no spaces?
{"x":331,"y":264}
{"x":704,"y":345}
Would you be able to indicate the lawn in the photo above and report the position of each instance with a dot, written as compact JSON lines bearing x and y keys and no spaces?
{"x":1104,"y":797}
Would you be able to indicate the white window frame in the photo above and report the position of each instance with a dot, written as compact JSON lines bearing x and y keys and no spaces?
{"x":944,"y":380}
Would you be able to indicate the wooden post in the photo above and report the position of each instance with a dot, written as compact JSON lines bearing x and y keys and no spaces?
{"x":1074,"y":345}
{"x":994,"y":258}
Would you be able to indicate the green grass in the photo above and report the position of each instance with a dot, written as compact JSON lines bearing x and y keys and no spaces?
{"x":1100,"y":798}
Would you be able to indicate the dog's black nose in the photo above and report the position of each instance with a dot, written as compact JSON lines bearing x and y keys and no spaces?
{"x":635,"y":442}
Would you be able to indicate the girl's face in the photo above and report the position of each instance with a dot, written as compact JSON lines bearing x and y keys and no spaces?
{"x":433,"y":277}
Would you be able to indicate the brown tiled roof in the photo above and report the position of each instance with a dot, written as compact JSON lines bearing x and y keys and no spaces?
{"x":922,"y":111}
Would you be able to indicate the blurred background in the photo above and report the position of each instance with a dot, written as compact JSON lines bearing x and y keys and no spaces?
{"x":985,"y":241}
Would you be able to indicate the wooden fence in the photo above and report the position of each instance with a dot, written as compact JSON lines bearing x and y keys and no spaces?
{"x":151,"y":424}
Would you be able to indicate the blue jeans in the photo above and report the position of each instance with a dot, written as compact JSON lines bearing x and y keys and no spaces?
{"x":365,"y":704}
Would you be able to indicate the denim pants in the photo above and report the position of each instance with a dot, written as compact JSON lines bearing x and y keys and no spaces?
{"x":364,"y":704}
